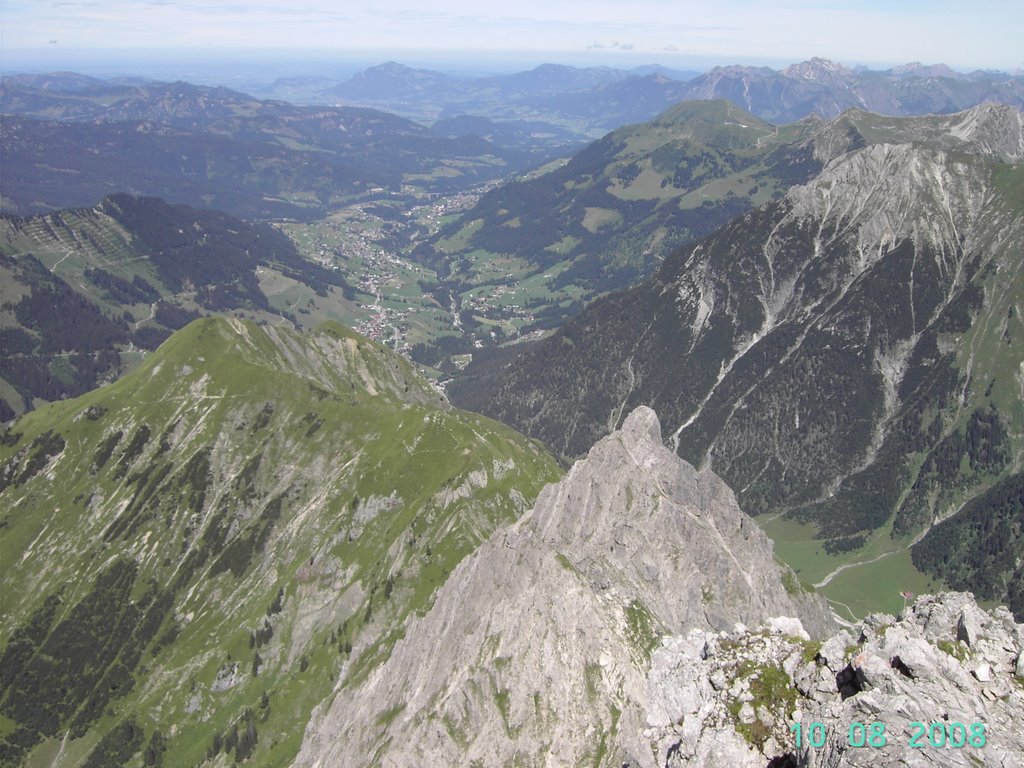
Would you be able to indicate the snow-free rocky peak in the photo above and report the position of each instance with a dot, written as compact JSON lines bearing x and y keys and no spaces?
{"x":538,"y":647}
{"x":822,"y":71}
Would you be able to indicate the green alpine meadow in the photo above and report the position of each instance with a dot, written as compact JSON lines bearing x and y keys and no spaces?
{"x":197,"y":555}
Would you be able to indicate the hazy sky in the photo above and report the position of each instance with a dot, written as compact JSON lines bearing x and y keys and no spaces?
{"x":983,"y":34}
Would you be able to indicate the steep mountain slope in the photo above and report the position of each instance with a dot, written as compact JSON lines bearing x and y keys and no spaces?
{"x":850,"y":354}
{"x":558,"y":238}
{"x":195,"y":556}
{"x":537,"y":649}
{"x":617,"y":207}
{"x":85,"y":289}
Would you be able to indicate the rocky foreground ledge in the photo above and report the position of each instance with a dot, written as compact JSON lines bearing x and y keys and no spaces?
{"x":940,"y":685}
{"x":605,"y":628}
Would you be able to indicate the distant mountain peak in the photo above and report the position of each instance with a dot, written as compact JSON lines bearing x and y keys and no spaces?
{"x":392,"y":71}
{"x":820,"y":70}
{"x":917,"y":69}
{"x":390,"y":66}
{"x":551,"y":68}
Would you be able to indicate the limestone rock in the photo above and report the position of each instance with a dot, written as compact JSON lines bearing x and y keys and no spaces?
{"x":636,"y":618}
{"x":912,"y":674}
{"x":967,"y":628}
{"x":786,"y":625}
{"x":585,"y":623}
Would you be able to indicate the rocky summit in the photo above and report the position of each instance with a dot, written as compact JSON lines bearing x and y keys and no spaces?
{"x":539,"y":648}
{"x":636,"y":618}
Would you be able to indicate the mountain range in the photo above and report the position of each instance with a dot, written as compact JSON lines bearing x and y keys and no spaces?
{"x":231,"y":540}
{"x":601,"y":99}
{"x":606,"y":218}
{"x":848,"y":355}
{"x":213,"y":147}
{"x":547,"y":243}
{"x":826,"y":88}
{"x":559,"y":237}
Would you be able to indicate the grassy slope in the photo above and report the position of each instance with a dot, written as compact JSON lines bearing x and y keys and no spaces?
{"x":612,"y":213}
{"x":380,"y":486}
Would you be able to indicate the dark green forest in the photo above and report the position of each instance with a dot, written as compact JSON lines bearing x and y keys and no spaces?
{"x":981,"y":548}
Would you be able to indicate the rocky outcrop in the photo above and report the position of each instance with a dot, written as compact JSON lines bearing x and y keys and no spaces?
{"x":538,"y":649}
{"x":609,"y":627}
{"x":936,"y":686}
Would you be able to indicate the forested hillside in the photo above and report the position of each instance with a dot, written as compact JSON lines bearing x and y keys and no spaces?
{"x":84,"y":289}
{"x":848,"y":355}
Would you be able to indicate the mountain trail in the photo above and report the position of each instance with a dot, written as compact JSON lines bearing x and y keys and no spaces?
{"x":847,"y":566}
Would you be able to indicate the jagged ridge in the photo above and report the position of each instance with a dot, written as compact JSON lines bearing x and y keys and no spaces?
{"x":538,"y":645}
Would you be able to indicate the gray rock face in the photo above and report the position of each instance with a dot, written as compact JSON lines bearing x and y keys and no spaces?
{"x":940,"y":702}
{"x":544,"y":648}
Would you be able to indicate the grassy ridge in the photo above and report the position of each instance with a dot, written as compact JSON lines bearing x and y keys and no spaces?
{"x":276,"y":503}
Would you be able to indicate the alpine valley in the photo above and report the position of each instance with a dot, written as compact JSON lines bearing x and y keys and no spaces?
{"x":763,"y":347}
{"x":850,"y":358}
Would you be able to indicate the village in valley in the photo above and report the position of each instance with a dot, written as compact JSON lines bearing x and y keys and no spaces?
{"x":397,"y":300}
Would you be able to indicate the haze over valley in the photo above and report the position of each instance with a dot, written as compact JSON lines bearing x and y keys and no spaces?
{"x":544,"y":387}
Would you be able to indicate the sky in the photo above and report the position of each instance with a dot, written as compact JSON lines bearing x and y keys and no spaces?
{"x":965,"y":35}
